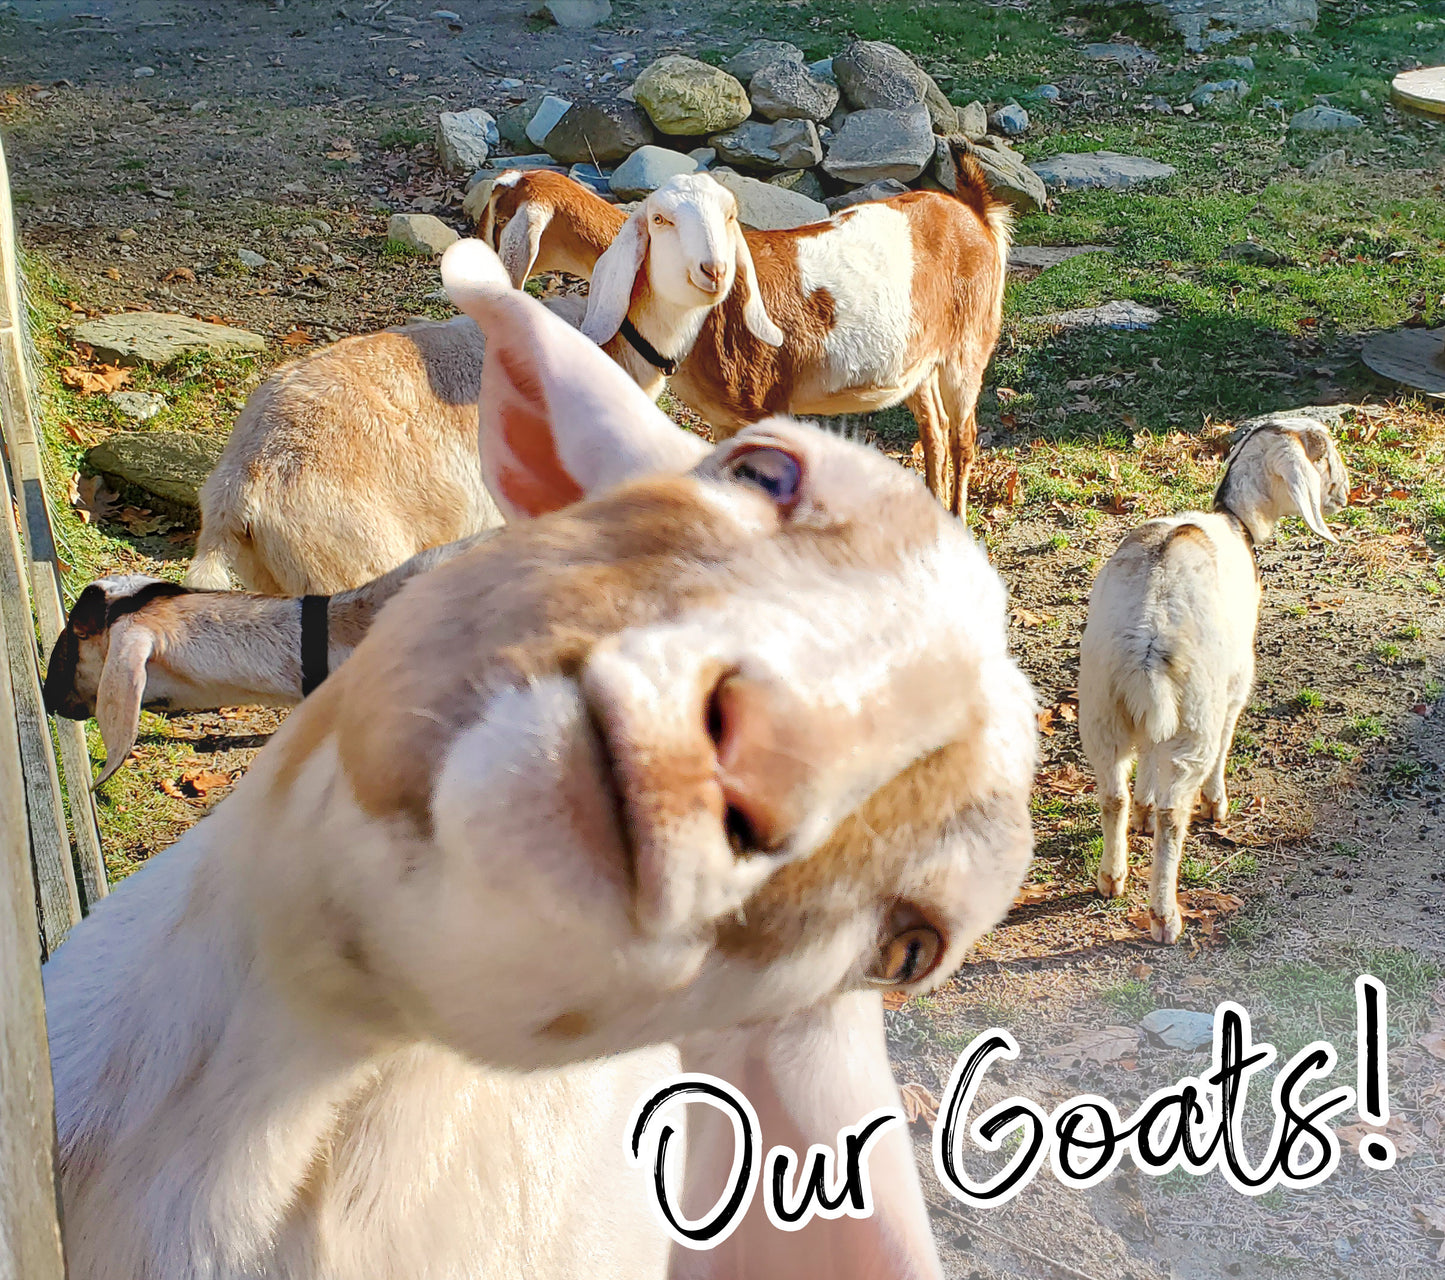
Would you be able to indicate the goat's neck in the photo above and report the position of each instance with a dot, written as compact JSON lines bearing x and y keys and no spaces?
{"x":671,"y":328}
{"x":171,"y":1017}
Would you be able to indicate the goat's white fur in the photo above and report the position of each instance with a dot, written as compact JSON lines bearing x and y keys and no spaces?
{"x":1167,"y":657}
{"x":386,"y":1011}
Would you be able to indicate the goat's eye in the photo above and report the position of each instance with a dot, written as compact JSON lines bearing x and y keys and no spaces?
{"x":908,"y":956}
{"x":659,"y":221}
{"x":777,"y":473}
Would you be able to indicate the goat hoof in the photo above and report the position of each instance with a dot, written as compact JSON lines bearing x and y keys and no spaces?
{"x":1215,"y":810}
{"x":1141,"y":820}
{"x":1112,"y":886}
{"x":1166,"y":928}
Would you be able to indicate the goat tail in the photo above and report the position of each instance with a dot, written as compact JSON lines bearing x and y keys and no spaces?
{"x":215,"y":554}
{"x":972,"y":187}
{"x":1151,"y":699}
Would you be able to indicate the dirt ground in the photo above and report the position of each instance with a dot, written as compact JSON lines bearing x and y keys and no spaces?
{"x":295,"y":130}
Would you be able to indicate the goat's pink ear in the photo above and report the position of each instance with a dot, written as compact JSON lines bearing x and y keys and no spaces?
{"x":808,"y":1077}
{"x":558,"y":419}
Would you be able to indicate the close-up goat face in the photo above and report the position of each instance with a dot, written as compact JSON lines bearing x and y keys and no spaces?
{"x":727,"y":741}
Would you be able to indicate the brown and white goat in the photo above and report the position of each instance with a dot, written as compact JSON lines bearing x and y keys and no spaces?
{"x":539,"y":221}
{"x":344,"y":464}
{"x":132,"y":641}
{"x":682,"y":774}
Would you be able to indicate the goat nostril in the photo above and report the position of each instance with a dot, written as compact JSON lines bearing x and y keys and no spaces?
{"x":741,"y":836}
{"x":715,"y":717}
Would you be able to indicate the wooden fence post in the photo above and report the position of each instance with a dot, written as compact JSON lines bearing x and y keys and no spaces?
{"x":30,"y":1247}
{"x":21,"y":444}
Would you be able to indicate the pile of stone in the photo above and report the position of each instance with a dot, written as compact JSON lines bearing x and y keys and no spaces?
{"x":792,"y":140}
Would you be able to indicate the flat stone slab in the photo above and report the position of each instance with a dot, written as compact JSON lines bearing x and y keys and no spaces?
{"x":1085,"y":170}
{"x":1324,"y":120}
{"x":171,"y":466}
{"x":1110,"y":315}
{"x":159,"y":338}
{"x":1041,"y":257}
{"x":138,"y":405}
{"x":1180,"y":1028}
{"x":1126,"y":55}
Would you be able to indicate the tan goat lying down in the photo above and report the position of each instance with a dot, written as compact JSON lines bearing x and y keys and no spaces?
{"x":683,"y":773}
{"x":345,"y":464}
{"x":1167,"y":659}
{"x":894,"y":302}
{"x":133,"y":642}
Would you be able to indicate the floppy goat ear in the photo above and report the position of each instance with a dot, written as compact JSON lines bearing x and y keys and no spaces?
{"x":1302,"y":479}
{"x":521,"y":239}
{"x":610,"y":293}
{"x":122,"y":688}
{"x":807,"y":1077}
{"x":558,"y":418}
{"x":755,"y":314}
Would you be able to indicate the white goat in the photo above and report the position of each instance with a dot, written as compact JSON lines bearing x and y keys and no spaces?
{"x":344,"y":464}
{"x":893,"y":302}
{"x":681,"y":774}
{"x":135,"y":641}
{"x":1167,"y":659}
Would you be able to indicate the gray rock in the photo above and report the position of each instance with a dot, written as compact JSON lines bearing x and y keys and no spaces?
{"x":1180,"y":1028}
{"x":1010,"y":120}
{"x":1254,"y":254}
{"x":1219,"y":93}
{"x":600,"y":131}
{"x":576,"y":13}
{"x":507,"y":83}
{"x":1207,"y":22}
{"x":1241,"y":61}
{"x":752,"y":58}
{"x":823,"y":69}
{"x":1120,"y":314}
{"x":464,"y":139}
{"x":803,"y":181}
{"x":788,"y":91}
{"x":512,"y":123}
{"x":1008,"y":176}
{"x":138,"y":405}
{"x":1323,"y":120}
{"x":169,"y":465}
{"x":589,"y":175}
{"x":788,"y":144}
{"x":876,"y":143}
{"x":706,"y":157}
{"x":1327,"y":163}
{"x":545,"y":118}
{"x":143,"y":73}
{"x":765,"y":207}
{"x":884,"y":190}
{"x":874,"y":75}
{"x":420,"y":232}
{"x":973,"y":120}
{"x":250,"y":258}
{"x":648,"y":168}
{"x":1041,"y":257}
{"x":1046,"y":92}
{"x":1129,"y":56}
{"x":686,"y":98}
{"x":1082,"y":171}
{"x":160,"y":339}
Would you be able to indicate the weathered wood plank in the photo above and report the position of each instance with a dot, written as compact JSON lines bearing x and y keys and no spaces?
{"x":21,"y":443}
{"x":30,"y":1247}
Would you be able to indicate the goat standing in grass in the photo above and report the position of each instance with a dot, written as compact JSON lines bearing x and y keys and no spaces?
{"x":1167,"y":659}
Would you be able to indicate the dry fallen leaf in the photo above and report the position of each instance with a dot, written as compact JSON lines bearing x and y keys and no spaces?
{"x":1068,"y":779}
{"x":298,"y":337}
{"x":1028,"y":618}
{"x":918,"y":1103}
{"x":179,"y":273}
{"x":1434,"y":1044}
{"x":894,"y":999}
{"x":100,"y":380}
{"x":1432,"y":1218}
{"x":1046,"y":722}
{"x":1108,"y":1044}
{"x":91,"y":499}
{"x":1032,"y":893}
{"x":1406,"y":1140}
{"x":195,"y":783}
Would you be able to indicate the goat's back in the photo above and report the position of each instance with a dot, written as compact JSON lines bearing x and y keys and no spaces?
{"x":1171,"y":625}
{"x":346,"y":463}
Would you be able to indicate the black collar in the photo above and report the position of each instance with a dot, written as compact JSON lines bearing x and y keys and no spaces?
{"x":646,"y":350}
{"x":315,"y":642}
